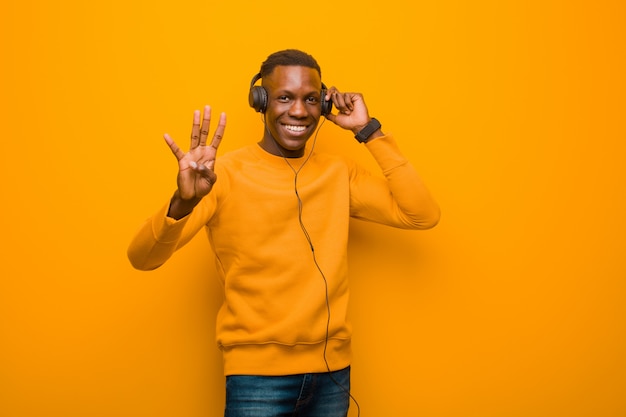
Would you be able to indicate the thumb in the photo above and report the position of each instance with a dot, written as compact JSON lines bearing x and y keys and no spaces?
{"x":331,"y":117}
{"x":206,"y":172}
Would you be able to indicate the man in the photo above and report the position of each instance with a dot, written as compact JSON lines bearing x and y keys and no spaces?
{"x":276,"y":214}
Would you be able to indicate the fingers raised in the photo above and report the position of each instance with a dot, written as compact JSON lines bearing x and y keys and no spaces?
{"x":219,"y":132}
{"x":200,"y":133}
{"x":206,"y":123}
{"x":178,"y":153}
{"x":195,"y":130}
{"x":217,"y":139}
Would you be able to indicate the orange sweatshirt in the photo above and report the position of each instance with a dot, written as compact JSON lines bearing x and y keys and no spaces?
{"x":274,"y":317}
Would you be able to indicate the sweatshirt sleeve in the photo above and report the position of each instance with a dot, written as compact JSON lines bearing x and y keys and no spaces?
{"x":160,"y":236}
{"x":400,"y":199}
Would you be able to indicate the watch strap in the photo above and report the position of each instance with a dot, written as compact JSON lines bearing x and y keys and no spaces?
{"x":367,"y":131}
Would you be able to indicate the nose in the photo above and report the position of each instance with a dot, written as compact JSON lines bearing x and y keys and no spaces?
{"x":298,"y":108}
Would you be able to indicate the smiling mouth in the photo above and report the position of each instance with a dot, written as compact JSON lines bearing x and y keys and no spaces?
{"x":294,"y":128}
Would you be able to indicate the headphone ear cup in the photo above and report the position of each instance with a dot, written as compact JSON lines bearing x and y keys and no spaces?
{"x":327,"y":105}
{"x":258,"y":99}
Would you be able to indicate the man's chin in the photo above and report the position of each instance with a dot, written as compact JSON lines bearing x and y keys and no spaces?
{"x":291,"y":148}
{"x":291,"y":144}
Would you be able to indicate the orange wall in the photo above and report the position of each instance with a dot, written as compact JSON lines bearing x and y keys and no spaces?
{"x":512,"y":111}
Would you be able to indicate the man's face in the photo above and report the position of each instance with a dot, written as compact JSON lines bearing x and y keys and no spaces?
{"x":293,"y":109}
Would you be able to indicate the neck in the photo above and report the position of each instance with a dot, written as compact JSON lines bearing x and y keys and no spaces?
{"x":271,"y":145}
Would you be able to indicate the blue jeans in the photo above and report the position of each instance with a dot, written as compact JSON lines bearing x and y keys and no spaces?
{"x":303,"y":395}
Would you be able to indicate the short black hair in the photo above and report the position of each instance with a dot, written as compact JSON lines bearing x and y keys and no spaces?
{"x":289,"y":57}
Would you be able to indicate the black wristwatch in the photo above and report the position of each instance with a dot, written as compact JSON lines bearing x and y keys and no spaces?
{"x":367,"y":131}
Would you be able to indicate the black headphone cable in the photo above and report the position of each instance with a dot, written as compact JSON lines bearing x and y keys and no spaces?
{"x":296,"y":172}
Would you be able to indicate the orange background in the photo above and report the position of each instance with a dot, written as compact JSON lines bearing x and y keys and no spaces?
{"x":513,"y":112}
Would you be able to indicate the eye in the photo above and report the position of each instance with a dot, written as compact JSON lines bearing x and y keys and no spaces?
{"x":312,"y":100}
{"x":283,"y":99}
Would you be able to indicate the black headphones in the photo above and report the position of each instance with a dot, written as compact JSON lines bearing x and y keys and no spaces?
{"x":258,"y":97}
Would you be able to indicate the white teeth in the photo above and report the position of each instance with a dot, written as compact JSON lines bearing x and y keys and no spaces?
{"x":295,"y":128}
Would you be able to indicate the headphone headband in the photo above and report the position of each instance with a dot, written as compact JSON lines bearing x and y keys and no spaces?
{"x":255,"y":79}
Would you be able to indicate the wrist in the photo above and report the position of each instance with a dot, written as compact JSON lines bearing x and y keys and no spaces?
{"x":180,"y":207}
{"x":355,"y":130}
{"x":369,"y":131}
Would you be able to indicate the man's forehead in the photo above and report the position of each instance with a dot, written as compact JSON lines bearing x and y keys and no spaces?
{"x":293,"y":76}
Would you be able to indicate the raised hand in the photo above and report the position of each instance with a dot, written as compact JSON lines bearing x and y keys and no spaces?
{"x":352,"y":112}
{"x":196,"y":174}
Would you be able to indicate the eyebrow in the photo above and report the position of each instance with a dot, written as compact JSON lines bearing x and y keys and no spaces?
{"x":290,"y":92}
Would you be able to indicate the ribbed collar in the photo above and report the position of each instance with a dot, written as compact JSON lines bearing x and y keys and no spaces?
{"x":277,"y":161}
